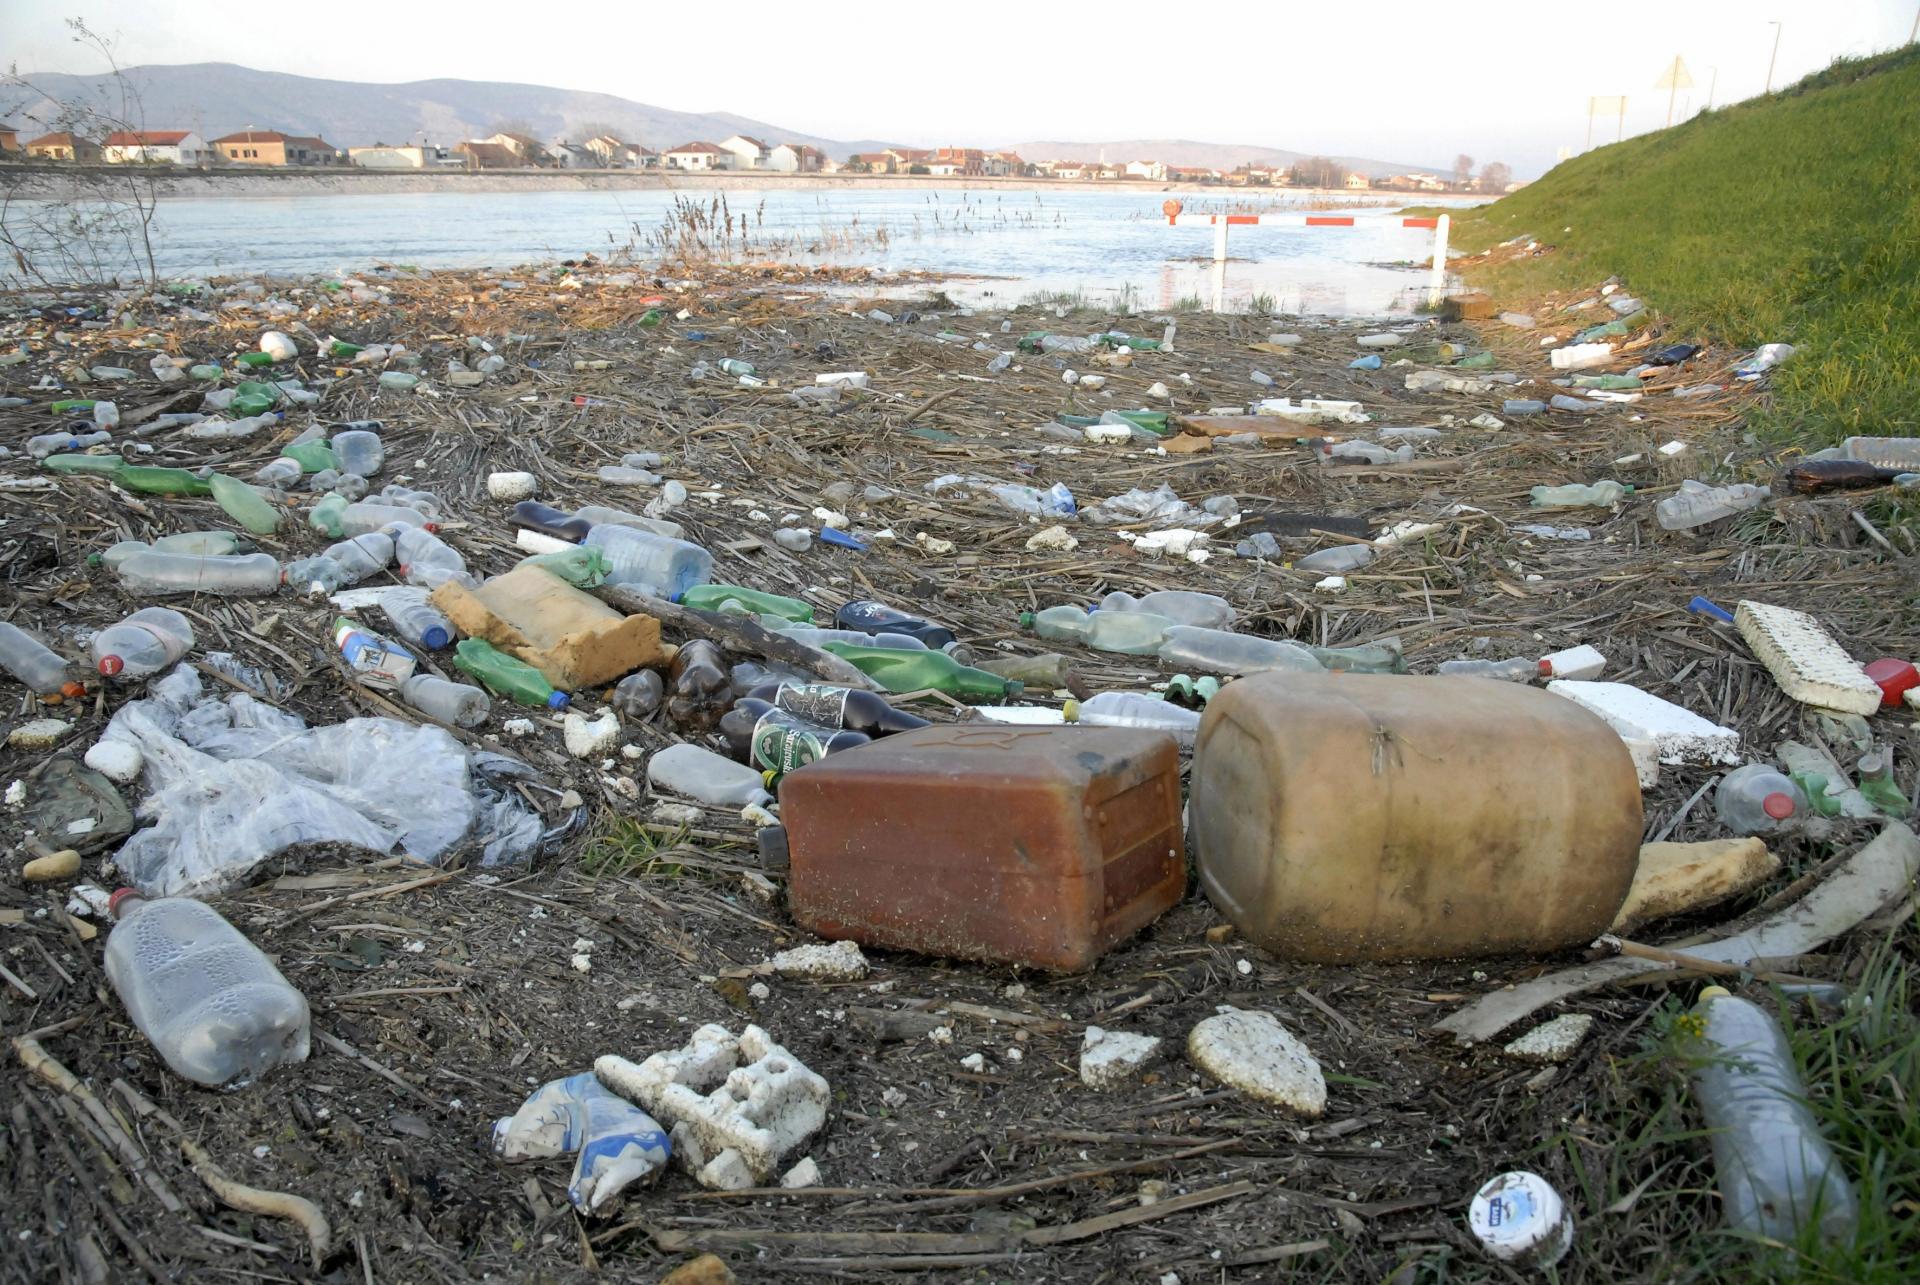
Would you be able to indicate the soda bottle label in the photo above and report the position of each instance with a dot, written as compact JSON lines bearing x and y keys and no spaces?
{"x":819,"y":703}
{"x":781,"y":743}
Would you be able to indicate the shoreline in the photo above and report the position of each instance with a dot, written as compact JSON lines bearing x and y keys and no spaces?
{"x":50,"y":182}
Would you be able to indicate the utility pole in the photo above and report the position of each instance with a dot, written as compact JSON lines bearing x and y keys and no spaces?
{"x":1776,"y":54}
{"x":1711,"y":86}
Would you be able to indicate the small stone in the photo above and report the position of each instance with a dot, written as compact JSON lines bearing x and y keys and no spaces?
{"x":40,"y":734}
{"x":1553,"y":1041}
{"x":1109,"y":1058}
{"x":1250,"y":1051}
{"x":118,"y":761}
{"x":804,"y":1174}
{"x":794,"y":539}
{"x":840,"y":962}
{"x":707,"y":1269}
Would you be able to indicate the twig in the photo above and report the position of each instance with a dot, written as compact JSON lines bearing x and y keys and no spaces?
{"x":43,"y":1064}
{"x":268,"y":1204}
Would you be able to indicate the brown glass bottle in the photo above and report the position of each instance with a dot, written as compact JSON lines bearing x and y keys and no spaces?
{"x":776,"y":740}
{"x":698,"y":690}
{"x":1810,"y":476}
{"x":832,"y":706}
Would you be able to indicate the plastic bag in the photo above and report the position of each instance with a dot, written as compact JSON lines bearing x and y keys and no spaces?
{"x":617,"y":1141}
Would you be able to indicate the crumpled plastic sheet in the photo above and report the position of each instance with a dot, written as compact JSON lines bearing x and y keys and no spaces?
{"x":234,"y":780}
{"x":1158,"y":505}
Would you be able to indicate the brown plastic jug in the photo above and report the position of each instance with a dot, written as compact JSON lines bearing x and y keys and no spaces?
{"x":1345,"y":817}
{"x":1024,"y":845}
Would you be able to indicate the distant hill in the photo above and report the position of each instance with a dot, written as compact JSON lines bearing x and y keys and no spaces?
{"x":219,"y":98}
{"x":1221,"y":156}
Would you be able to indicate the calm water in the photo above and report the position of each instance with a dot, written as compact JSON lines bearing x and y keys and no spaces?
{"x":1102,"y":244}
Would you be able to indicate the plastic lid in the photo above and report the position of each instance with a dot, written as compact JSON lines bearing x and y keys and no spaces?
{"x":1070,"y":711}
{"x":434,"y":638}
{"x":119,"y":896}
{"x":557,"y":700}
{"x":1518,"y":1215}
{"x":1546,"y":667}
{"x":1015,"y":687}
{"x":1714,"y":992}
{"x":111,"y":665}
{"x":72,"y":691}
{"x":1026,"y":620}
{"x":1779,"y":805}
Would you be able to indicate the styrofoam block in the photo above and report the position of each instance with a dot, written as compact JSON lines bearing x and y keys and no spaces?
{"x":1552,"y":1041}
{"x":1250,"y":1051}
{"x":1108,"y":1058}
{"x":1805,"y":660}
{"x":1580,"y":662}
{"x":706,"y":1059}
{"x":1679,"y":735}
{"x":840,"y":962}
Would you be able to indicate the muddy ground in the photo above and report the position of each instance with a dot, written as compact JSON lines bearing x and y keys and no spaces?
{"x":441,"y":998}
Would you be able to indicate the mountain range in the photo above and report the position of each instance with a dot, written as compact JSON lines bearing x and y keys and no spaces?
{"x":219,"y":98}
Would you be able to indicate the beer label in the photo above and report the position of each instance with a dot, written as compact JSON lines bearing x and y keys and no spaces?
{"x":781,"y":743}
{"x":819,"y":703}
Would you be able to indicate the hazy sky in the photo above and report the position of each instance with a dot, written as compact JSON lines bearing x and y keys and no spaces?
{"x":1414,"y":82}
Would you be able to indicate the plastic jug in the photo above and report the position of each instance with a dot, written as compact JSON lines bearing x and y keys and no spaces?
{"x":1337,"y":818}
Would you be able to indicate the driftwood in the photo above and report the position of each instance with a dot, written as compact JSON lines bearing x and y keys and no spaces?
{"x":738,"y":634}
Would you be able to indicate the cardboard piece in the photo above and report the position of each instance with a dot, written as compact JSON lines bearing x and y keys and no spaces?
{"x":573,"y":638}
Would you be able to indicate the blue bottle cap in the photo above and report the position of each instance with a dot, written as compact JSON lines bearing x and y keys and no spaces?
{"x":557,"y":700}
{"x":434,"y":638}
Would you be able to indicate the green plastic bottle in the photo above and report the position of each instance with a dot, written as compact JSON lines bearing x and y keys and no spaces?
{"x":713,"y":597}
{"x":325,"y":516}
{"x":341,"y":348}
{"x":206,"y":372}
{"x":82,"y":463}
{"x":311,"y":456}
{"x":72,"y":404}
{"x":652,"y":317}
{"x":244,"y":504}
{"x":505,"y":675}
{"x":581,"y":566}
{"x":898,"y":670}
{"x":734,"y":366}
{"x":255,"y":359}
{"x":1111,"y":340}
{"x":1814,"y":786}
{"x":1479,"y":361}
{"x":252,"y":397}
{"x":1153,"y":421}
{"x":150,"y":480}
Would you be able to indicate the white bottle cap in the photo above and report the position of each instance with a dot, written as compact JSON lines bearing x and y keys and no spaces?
{"x":1519,"y":1218}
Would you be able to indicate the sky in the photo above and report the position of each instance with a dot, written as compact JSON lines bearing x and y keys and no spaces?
{"x":1415,"y":82}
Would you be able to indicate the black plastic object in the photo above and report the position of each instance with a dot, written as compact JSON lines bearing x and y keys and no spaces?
{"x":547,"y":520}
{"x":868,"y":617}
{"x":1673,"y":354}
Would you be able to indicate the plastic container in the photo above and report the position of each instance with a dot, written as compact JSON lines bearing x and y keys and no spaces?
{"x":1054,"y":844}
{"x":507,"y":675}
{"x":1579,"y":495}
{"x":868,"y":617}
{"x":1756,"y":799}
{"x":1696,"y":505}
{"x":143,"y":644}
{"x":211,"y":1003}
{"x":1336,"y":819}
{"x":1901,"y":453}
{"x":1218,"y":652}
{"x":450,"y":702}
{"x":34,"y":663}
{"x":1517,"y":670}
{"x":156,"y":572}
{"x":359,"y":452}
{"x":1181,"y":606}
{"x":1518,"y":1218}
{"x":639,"y":694}
{"x":1777,"y":1174}
{"x":702,"y":775}
{"x":1895,"y":678}
{"x":1135,"y":709}
{"x":663,"y":566}
{"x":1128,"y":633}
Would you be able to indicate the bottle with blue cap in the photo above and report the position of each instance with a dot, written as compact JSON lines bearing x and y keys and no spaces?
{"x":507,"y":675}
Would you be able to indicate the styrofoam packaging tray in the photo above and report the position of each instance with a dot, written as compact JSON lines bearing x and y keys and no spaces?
{"x":1805,"y":660}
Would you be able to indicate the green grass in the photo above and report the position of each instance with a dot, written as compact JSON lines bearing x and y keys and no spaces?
{"x":627,"y":848}
{"x":1791,"y":217}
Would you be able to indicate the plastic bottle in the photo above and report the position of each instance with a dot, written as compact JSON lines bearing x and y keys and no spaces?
{"x":450,"y":702}
{"x":1135,"y":709}
{"x":1877,"y":785}
{"x":312,"y":455}
{"x":819,"y":637}
{"x":35,"y":664}
{"x":702,"y":775}
{"x":1129,"y":633}
{"x":697,"y":685}
{"x":734,"y":366}
{"x":1219,"y":652}
{"x":1577,"y":495}
{"x":779,"y":741}
{"x":1696,"y":505}
{"x":1383,"y":657}
{"x":1899,"y":453}
{"x":1756,"y":799}
{"x":211,"y":1003}
{"x":106,"y":414}
{"x":868,"y":617}
{"x":157,"y":571}
{"x":105,"y":465}
{"x":399,"y":380}
{"x":899,"y":670}
{"x":363,"y":555}
{"x":531,"y":515}
{"x":1517,"y":670}
{"x":244,"y":504}
{"x":423,"y":558}
{"x":1776,"y":1171}
{"x":580,"y":567}
{"x":143,"y":644}
{"x":506,"y":675}
{"x":639,"y":694}
{"x":415,"y":619}
{"x":1338,"y":560}
{"x":52,"y":443}
{"x":359,"y":452}
{"x":715,"y":597}
{"x":1047,"y":672}
{"x":663,"y":566}
{"x":829,"y":705}
{"x":363,"y":516}
{"x":621,"y":475}
{"x":598,"y":514}
{"x":1181,"y":606}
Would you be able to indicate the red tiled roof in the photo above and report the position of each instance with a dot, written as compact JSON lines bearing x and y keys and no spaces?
{"x":695,"y":147}
{"x":146,"y":137}
{"x":61,"y":139}
{"x":254,"y":136}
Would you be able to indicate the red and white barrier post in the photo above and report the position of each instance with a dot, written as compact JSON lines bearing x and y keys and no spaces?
{"x":1436,"y":279}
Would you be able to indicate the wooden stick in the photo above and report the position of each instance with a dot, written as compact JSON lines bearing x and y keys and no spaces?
{"x":739,"y":634}
{"x":43,"y":1064}
{"x":268,"y":1204}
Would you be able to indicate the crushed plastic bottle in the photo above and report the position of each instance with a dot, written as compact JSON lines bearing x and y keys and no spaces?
{"x":156,"y":571}
{"x":35,"y":664}
{"x":142,"y":645}
{"x":210,"y":1002}
{"x":1181,"y":606}
{"x":639,"y":694}
{"x":1128,"y":633}
{"x":1517,"y":670}
{"x":1696,"y":504}
{"x":1220,"y":652}
{"x":359,"y":452}
{"x":450,"y":702}
{"x":1338,"y":560}
{"x":1578,"y":495}
{"x":424,"y":559}
{"x":702,"y":775}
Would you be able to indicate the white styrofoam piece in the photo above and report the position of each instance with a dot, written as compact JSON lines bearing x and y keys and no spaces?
{"x":1805,"y":660}
{"x":840,"y":962}
{"x":1580,"y":662}
{"x":1108,"y":1057}
{"x":1250,"y":1051}
{"x":1679,"y":735}
{"x":1552,"y":1041}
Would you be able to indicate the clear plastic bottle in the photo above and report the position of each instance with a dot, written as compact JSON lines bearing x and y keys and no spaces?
{"x":1756,"y":799}
{"x":359,"y":452}
{"x":106,"y":414}
{"x":450,"y":702}
{"x":1776,"y":1171}
{"x":415,"y":619}
{"x":52,"y":443}
{"x":200,"y":542}
{"x":621,"y":475}
{"x":1902,"y":453}
{"x":1338,"y":560}
{"x":155,"y":571}
{"x":813,"y":637}
{"x":1517,"y":670}
{"x":424,"y":558}
{"x":1383,"y":657}
{"x":244,"y":504}
{"x":1047,"y":672}
{"x":639,"y":694}
{"x":1696,"y":504}
{"x":1135,"y":709}
{"x":212,"y":1004}
{"x":143,"y":644}
{"x":35,"y":664}
{"x":1579,"y":495}
{"x":363,"y":555}
{"x":597,"y":514}
{"x":1219,"y":652}
{"x":1181,"y":606}
{"x":694,"y":773}
{"x":1128,"y":633}
{"x":363,"y":516}
{"x":661,"y":565}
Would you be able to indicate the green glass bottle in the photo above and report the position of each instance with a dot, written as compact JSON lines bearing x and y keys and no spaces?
{"x":82,"y":463}
{"x":311,"y":456}
{"x":255,"y":359}
{"x":898,"y":670}
{"x":72,"y":404}
{"x":150,"y":480}
{"x":652,"y":317}
{"x":325,"y":516}
{"x":506,"y":675}
{"x":244,"y":504}
{"x":1153,"y":421}
{"x":341,"y":348}
{"x":713,"y":597}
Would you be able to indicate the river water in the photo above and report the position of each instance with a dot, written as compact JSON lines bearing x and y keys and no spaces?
{"x":1105,"y":247}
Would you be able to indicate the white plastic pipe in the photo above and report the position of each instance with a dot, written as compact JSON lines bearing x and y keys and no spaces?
{"x":1437,"y":280}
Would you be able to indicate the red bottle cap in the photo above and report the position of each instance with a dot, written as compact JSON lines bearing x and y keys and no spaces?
{"x":111,"y":665}
{"x":119,"y":896}
{"x":1546,"y":667}
{"x":1777,"y":805}
{"x":1895,"y":677}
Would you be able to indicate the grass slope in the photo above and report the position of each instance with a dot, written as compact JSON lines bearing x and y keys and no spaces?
{"x":1790,"y":217}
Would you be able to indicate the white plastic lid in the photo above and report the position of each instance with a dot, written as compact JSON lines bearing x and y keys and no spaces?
{"x":1519,"y":1216}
